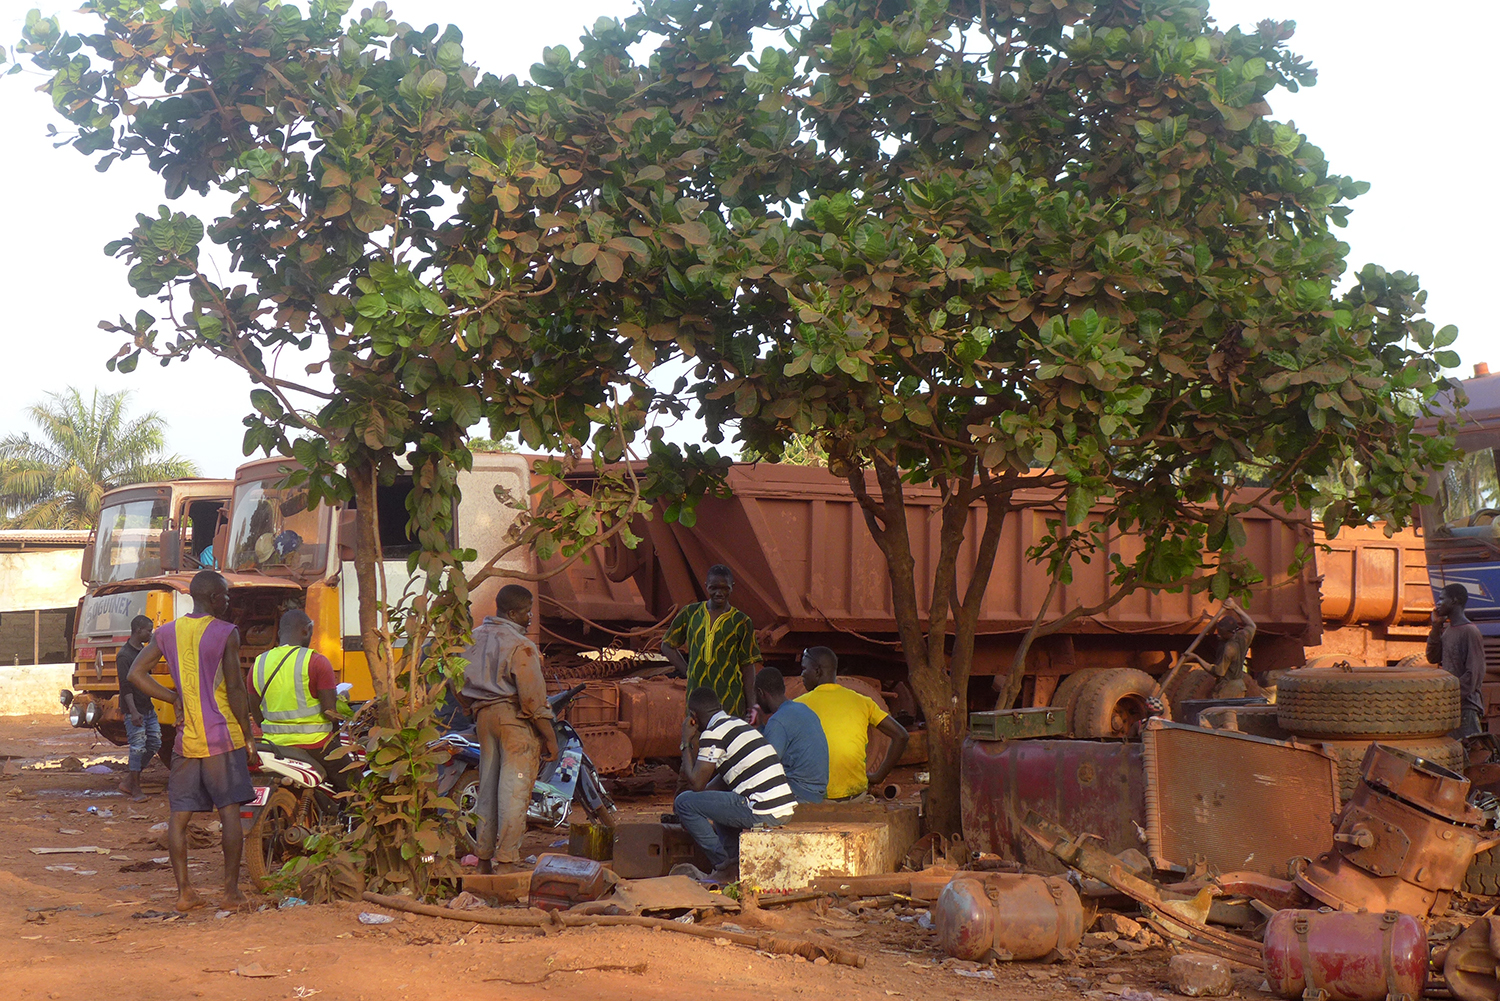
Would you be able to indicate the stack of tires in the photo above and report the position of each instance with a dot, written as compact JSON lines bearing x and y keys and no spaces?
{"x":1345,"y":711}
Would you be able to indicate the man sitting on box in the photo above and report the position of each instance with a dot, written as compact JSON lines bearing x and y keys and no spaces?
{"x":751,"y":785}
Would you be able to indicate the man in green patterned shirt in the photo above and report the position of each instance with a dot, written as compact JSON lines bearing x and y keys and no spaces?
{"x":713,"y":644}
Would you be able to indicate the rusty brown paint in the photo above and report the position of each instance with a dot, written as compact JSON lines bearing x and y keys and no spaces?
{"x":1096,"y":786}
{"x":807,"y":572}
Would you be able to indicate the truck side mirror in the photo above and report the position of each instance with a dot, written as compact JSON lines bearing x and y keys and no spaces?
{"x":221,"y":542}
{"x":86,"y":572}
{"x":170,"y":545}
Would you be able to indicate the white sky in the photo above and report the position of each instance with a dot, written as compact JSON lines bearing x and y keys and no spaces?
{"x":1396,"y":105}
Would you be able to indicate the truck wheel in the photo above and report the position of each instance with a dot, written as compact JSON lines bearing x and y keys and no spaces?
{"x":1191,"y":683}
{"x":1349,"y":757}
{"x":1066,"y":695}
{"x":1368,"y":702}
{"x":265,"y":847}
{"x":1112,"y":703}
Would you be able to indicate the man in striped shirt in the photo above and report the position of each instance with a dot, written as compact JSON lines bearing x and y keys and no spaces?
{"x":753,"y":788}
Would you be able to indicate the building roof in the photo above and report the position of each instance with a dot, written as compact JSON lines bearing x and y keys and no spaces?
{"x":13,"y":539}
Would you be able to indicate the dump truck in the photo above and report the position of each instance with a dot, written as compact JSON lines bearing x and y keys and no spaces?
{"x":1461,"y":528}
{"x":147,"y":532}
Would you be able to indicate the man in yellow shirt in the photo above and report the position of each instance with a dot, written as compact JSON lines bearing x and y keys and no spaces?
{"x":847,"y":717}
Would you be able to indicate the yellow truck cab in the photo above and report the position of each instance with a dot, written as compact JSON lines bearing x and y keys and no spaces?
{"x":147,"y":534}
{"x":277,"y":552}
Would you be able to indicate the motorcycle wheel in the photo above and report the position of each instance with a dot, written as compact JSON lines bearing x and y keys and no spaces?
{"x":266,"y":850}
{"x":466,"y":794}
{"x":604,"y":813}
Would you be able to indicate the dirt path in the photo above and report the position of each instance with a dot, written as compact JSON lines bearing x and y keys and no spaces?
{"x":86,"y":926}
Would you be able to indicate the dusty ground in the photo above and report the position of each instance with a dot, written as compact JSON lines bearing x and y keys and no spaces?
{"x":93,"y":931}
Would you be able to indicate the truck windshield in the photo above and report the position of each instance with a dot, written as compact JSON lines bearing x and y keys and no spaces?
{"x":128,"y":543}
{"x":1468,"y":497}
{"x":272,"y":527}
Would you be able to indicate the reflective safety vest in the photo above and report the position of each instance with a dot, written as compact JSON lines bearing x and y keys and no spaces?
{"x":290,"y":710}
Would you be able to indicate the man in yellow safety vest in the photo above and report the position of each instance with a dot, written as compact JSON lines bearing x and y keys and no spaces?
{"x":295,"y":696}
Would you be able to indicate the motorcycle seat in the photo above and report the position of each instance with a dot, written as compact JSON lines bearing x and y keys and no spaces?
{"x":265,"y":747}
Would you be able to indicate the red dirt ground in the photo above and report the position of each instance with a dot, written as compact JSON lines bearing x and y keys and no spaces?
{"x":74,"y":934}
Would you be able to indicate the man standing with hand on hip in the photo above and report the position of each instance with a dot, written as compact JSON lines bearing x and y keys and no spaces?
{"x":505,"y":691}
{"x":211,"y":767}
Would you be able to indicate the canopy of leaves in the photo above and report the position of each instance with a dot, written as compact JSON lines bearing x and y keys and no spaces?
{"x":86,"y":447}
{"x":1063,"y":241}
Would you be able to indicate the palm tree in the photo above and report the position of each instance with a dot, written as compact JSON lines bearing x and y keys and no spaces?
{"x":87,"y":447}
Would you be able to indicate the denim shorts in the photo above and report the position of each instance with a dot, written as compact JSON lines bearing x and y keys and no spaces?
{"x":203,"y":785}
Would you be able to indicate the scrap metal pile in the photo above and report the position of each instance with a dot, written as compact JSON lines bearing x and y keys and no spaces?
{"x":1333,"y":841}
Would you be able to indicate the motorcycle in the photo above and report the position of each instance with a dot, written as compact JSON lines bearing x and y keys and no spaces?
{"x":570,"y":777}
{"x":293,"y":798}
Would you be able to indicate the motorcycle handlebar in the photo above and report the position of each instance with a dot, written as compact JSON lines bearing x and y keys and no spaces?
{"x":560,"y":701}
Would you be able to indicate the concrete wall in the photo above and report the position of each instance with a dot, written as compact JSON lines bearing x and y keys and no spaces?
{"x":32,"y":688}
{"x":43,"y":578}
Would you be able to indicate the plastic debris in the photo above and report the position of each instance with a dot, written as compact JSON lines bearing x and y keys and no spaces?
{"x":99,"y":769}
{"x":291,"y":902}
{"x":371,"y":918}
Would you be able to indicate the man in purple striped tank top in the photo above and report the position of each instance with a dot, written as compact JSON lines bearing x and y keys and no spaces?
{"x":211,"y":769}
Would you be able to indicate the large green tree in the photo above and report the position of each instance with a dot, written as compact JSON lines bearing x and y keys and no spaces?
{"x":971,"y":243}
{"x":85,"y":447}
{"x":1056,"y":246}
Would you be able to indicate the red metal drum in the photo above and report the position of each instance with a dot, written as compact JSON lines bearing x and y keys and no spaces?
{"x":1351,"y":957}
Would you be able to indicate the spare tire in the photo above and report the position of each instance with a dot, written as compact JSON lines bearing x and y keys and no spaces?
{"x":1066,"y":695}
{"x":1112,"y":703}
{"x":1368,"y":702}
{"x":1349,"y":757}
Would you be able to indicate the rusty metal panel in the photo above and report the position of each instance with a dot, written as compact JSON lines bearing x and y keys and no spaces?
{"x":1092,"y":786}
{"x":1236,"y":801}
{"x":805,"y":563}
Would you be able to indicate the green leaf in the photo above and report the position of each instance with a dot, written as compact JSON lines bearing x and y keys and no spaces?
{"x":432,"y":84}
{"x":372,"y":306}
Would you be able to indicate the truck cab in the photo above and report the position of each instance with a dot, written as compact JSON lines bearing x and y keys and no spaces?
{"x":147,"y":534}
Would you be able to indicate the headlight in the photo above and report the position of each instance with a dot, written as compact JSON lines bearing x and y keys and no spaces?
{"x":75,"y":715}
{"x":91,"y":714}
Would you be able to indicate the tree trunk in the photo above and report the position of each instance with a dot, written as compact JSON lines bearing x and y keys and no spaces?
{"x":946,"y":713}
{"x":362,"y":478}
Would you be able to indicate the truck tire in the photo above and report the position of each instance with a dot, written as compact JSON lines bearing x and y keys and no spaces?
{"x":1066,"y":695}
{"x":264,"y":851}
{"x":1112,"y":703}
{"x":1483,"y":877}
{"x":1375,"y":702}
{"x":1349,"y":757}
{"x":1191,"y":683}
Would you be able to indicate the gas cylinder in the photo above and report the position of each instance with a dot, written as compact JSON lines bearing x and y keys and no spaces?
{"x":1011,"y":915}
{"x":1346,"y":956}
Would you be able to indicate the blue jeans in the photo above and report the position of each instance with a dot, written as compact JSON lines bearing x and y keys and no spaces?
{"x":715,"y":819}
{"x":145,"y":740}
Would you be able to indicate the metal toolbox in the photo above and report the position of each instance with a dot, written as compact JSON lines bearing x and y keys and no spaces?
{"x":1017,"y":724}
